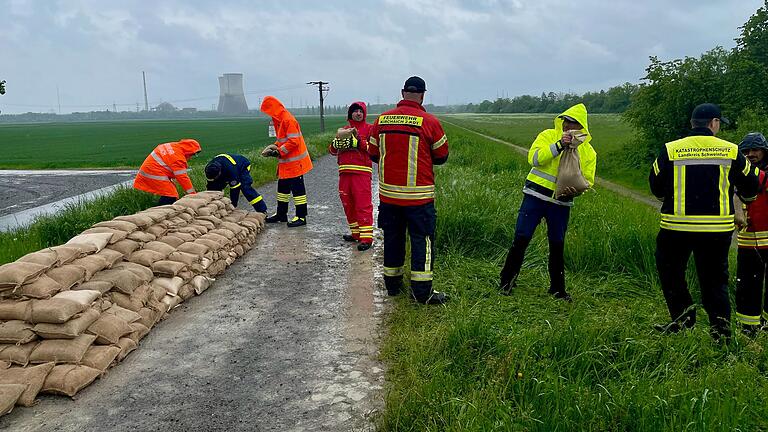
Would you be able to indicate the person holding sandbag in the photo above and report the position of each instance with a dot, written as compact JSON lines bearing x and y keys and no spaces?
{"x":564,"y":151}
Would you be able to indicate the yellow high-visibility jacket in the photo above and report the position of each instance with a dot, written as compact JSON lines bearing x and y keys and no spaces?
{"x":544,"y":158}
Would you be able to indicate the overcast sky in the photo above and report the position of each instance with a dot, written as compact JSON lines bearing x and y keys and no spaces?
{"x":467,"y":51}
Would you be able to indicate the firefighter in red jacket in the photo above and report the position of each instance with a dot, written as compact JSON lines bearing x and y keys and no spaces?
{"x":406,"y":142}
{"x":752,"y":255}
{"x":355,"y":171}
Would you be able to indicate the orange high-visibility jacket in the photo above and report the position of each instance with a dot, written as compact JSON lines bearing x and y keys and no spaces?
{"x":167,"y":162}
{"x":293,"y":160}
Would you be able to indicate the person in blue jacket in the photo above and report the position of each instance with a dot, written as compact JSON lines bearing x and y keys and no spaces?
{"x":234,"y":170}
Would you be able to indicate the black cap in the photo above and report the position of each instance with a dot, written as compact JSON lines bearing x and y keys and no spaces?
{"x":212,"y":170}
{"x":708,"y":111}
{"x":414,"y":84}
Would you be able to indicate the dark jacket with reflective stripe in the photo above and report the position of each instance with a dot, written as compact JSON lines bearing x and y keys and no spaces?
{"x":695,"y":177}
{"x":235,"y":170}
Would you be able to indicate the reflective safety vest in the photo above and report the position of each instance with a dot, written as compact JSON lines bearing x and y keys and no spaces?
{"x":167,"y":162}
{"x":544,"y":158}
{"x":695,"y":177}
{"x":293,"y":159}
{"x":407,"y":141}
{"x":755,"y":234}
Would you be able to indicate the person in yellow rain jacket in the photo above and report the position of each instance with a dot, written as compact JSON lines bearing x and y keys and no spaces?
{"x":539,"y":200}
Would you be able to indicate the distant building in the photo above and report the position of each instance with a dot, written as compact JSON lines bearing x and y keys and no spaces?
{"x":231,"y":94}
{"x":189,"y":110}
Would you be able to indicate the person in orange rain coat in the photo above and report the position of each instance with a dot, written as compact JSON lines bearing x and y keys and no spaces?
{"x":355,"y":171}
{"x":293,"y":162}
{"x":167,"y":162}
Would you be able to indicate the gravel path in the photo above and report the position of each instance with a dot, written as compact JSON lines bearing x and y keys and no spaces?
{"x":285,"y":340}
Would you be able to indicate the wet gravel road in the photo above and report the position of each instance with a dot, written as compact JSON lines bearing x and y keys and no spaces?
{"x":285,"y":340}
{"x":22,"y":190}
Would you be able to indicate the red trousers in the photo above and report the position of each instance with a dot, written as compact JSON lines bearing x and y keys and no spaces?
{"x":355,"y":194}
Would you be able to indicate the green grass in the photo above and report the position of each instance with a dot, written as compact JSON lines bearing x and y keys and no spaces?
{"x":127,"y":143}
{"x":56,"y":229}
{"x":531,"y":362}
{"x":612,"y":140}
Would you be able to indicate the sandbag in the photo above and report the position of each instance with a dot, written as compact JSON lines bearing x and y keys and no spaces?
{"x":193,"y":248}
{"x":17,"y":354}
{"x":32,"y":377}
{"x":215,"y":237}
{"x":42,"y":288}
{"x":15,"y":274}
{"x":149,"y":318}
{"x":62,"y":350}
{"x":211,"y":194}
{"x":187,"y":292}
{"x":62,"y":307}
{"x":187,"y":216}
{"x":205,"y":223}
{"x":70,"y":329}
{"x":92,"y":264}
{"x":143,"y":272}
{"x":141,"y":221}
{"x":212,"y":219}
{"x":160,"y":247}
{"x":224,"y":232}
{"x":146,"y":257}
{"x":171,"y":301}
{"x":98,"y":240}
{"x":141,"y":236}
{"x":67,"y":275}
{"x":68,"y":253}
{"x":169,"y":285}
{"x":109,"y":328}
{"x":69,"y":379}
{"x":569,"y":173}
{"x":201,"y":283}
{"x":126,"y":345}
{"x":101,"y":286}
{"x":45,"y":257}
{"x":157,"y":230}
{"x":167,"y":268}
{"x":125,"y":301}
{"x":124,"y":281}
{"x":125,"y":247}
{"x":239,"y":250}
{"x":139,"y":331}
{"x":211,"y":244}
{"x":111,"y":257}
{"x":142,"y":294}
{"x":126,"y":315}
{"x":157,"y":292}
{"x":15,"y":310}
{"x":171,"y":240}
{"x":117,"y":235}
{"x":9,"y":394}
{"x":16,"y":332}
{"x":194,"y":204}
{"x":184,"y":257}
{"x":125,"y":226}
{"x":100,"y":357}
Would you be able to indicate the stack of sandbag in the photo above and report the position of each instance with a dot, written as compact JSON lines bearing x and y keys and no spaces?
{"x":69,"y":312}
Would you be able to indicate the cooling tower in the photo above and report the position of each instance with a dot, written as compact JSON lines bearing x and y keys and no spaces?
{"x":231,"y":95}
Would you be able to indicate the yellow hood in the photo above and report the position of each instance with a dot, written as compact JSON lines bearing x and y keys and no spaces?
{"x":578,"y":112}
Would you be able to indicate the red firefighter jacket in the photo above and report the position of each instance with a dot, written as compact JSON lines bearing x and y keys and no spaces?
{"x":407,"y":141}
{"x":293,"y":160}
{"x":357,"y":160}
{"x":755,"y":235}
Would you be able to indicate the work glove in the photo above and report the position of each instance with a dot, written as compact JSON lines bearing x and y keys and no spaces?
{"x":270,"y":151}
{"x":345,"y":143}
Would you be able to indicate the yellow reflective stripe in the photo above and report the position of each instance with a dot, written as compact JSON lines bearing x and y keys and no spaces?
{"x":747,"y":167}
{"x":372,"y":141}
{"x":281,"y":197}
{"x":753,"y":235}
{"x":382,"y":154}
{"x":396,"y":188}
{"x":679,"y":189}
{"x":355,"y":168}
{"x":231,"y":159}
{"x":406,"y":196}
{"x":249,"y":167}
{"x":725,"y":207}
{"x":748,"y":319}
{"x":421,"y":276}
{"x":698,"y":227}
{"x":154,"y":177}
{"x":413,"y":159}
{"x":401,"y":119}
{"x":301,"y":199}
{"x":255,"y":200}
{"x":542,"y":174}
{"x":428,"y":258}
{"x":697,"y":219}
{"x":656,"y":169}
{"x":236,"y":186}
{"x":753,"y":242}
{"x":439,"y":142}
{"x":393,"y":271}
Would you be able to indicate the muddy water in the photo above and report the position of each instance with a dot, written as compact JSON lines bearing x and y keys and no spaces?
{"x":285,"y":340}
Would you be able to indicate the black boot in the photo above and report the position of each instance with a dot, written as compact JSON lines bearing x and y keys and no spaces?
{"x":437,"y":298}
{"x":349,"y":238}
{"x":276,"y":218}
{"x":513,"y":263}
{"x":297,"y":222}
{"x":394,"y":285}
{"x":556,"y":267}
{"x":686,"y":321}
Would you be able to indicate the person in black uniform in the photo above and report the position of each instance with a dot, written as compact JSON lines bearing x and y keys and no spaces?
{"x":234,"y":170}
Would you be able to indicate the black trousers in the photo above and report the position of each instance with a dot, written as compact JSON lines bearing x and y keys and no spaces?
{"x":419,"y":223}
{"x":750,"y":276}
{"x":292,"y":186}
{"x":165,"y":200}
{"x":710,"y":254}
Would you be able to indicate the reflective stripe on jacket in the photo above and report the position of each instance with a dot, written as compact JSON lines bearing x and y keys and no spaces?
{"x":695,"y":177}
{"x":544,"y":158}
{"x":167,"y":162}
{"x":293,"y":159}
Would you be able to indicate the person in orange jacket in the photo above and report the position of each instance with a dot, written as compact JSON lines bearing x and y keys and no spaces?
{"x":355,"y":171}
{"x":293,"y":162}
{"x":167,"y":162}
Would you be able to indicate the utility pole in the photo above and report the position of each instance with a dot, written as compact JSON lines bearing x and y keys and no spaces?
{"x":146,"y":102}
{"x":321,"y":87}
{"x":58,"y":99}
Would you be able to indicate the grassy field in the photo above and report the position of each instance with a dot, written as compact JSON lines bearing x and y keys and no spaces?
{"x":56,"y":229}
{"x":126,"y":144}
{"x":611,"y":140}
{"x":531,"y":362}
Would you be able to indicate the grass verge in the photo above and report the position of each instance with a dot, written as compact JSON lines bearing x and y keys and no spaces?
{"x":530,"y":362}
